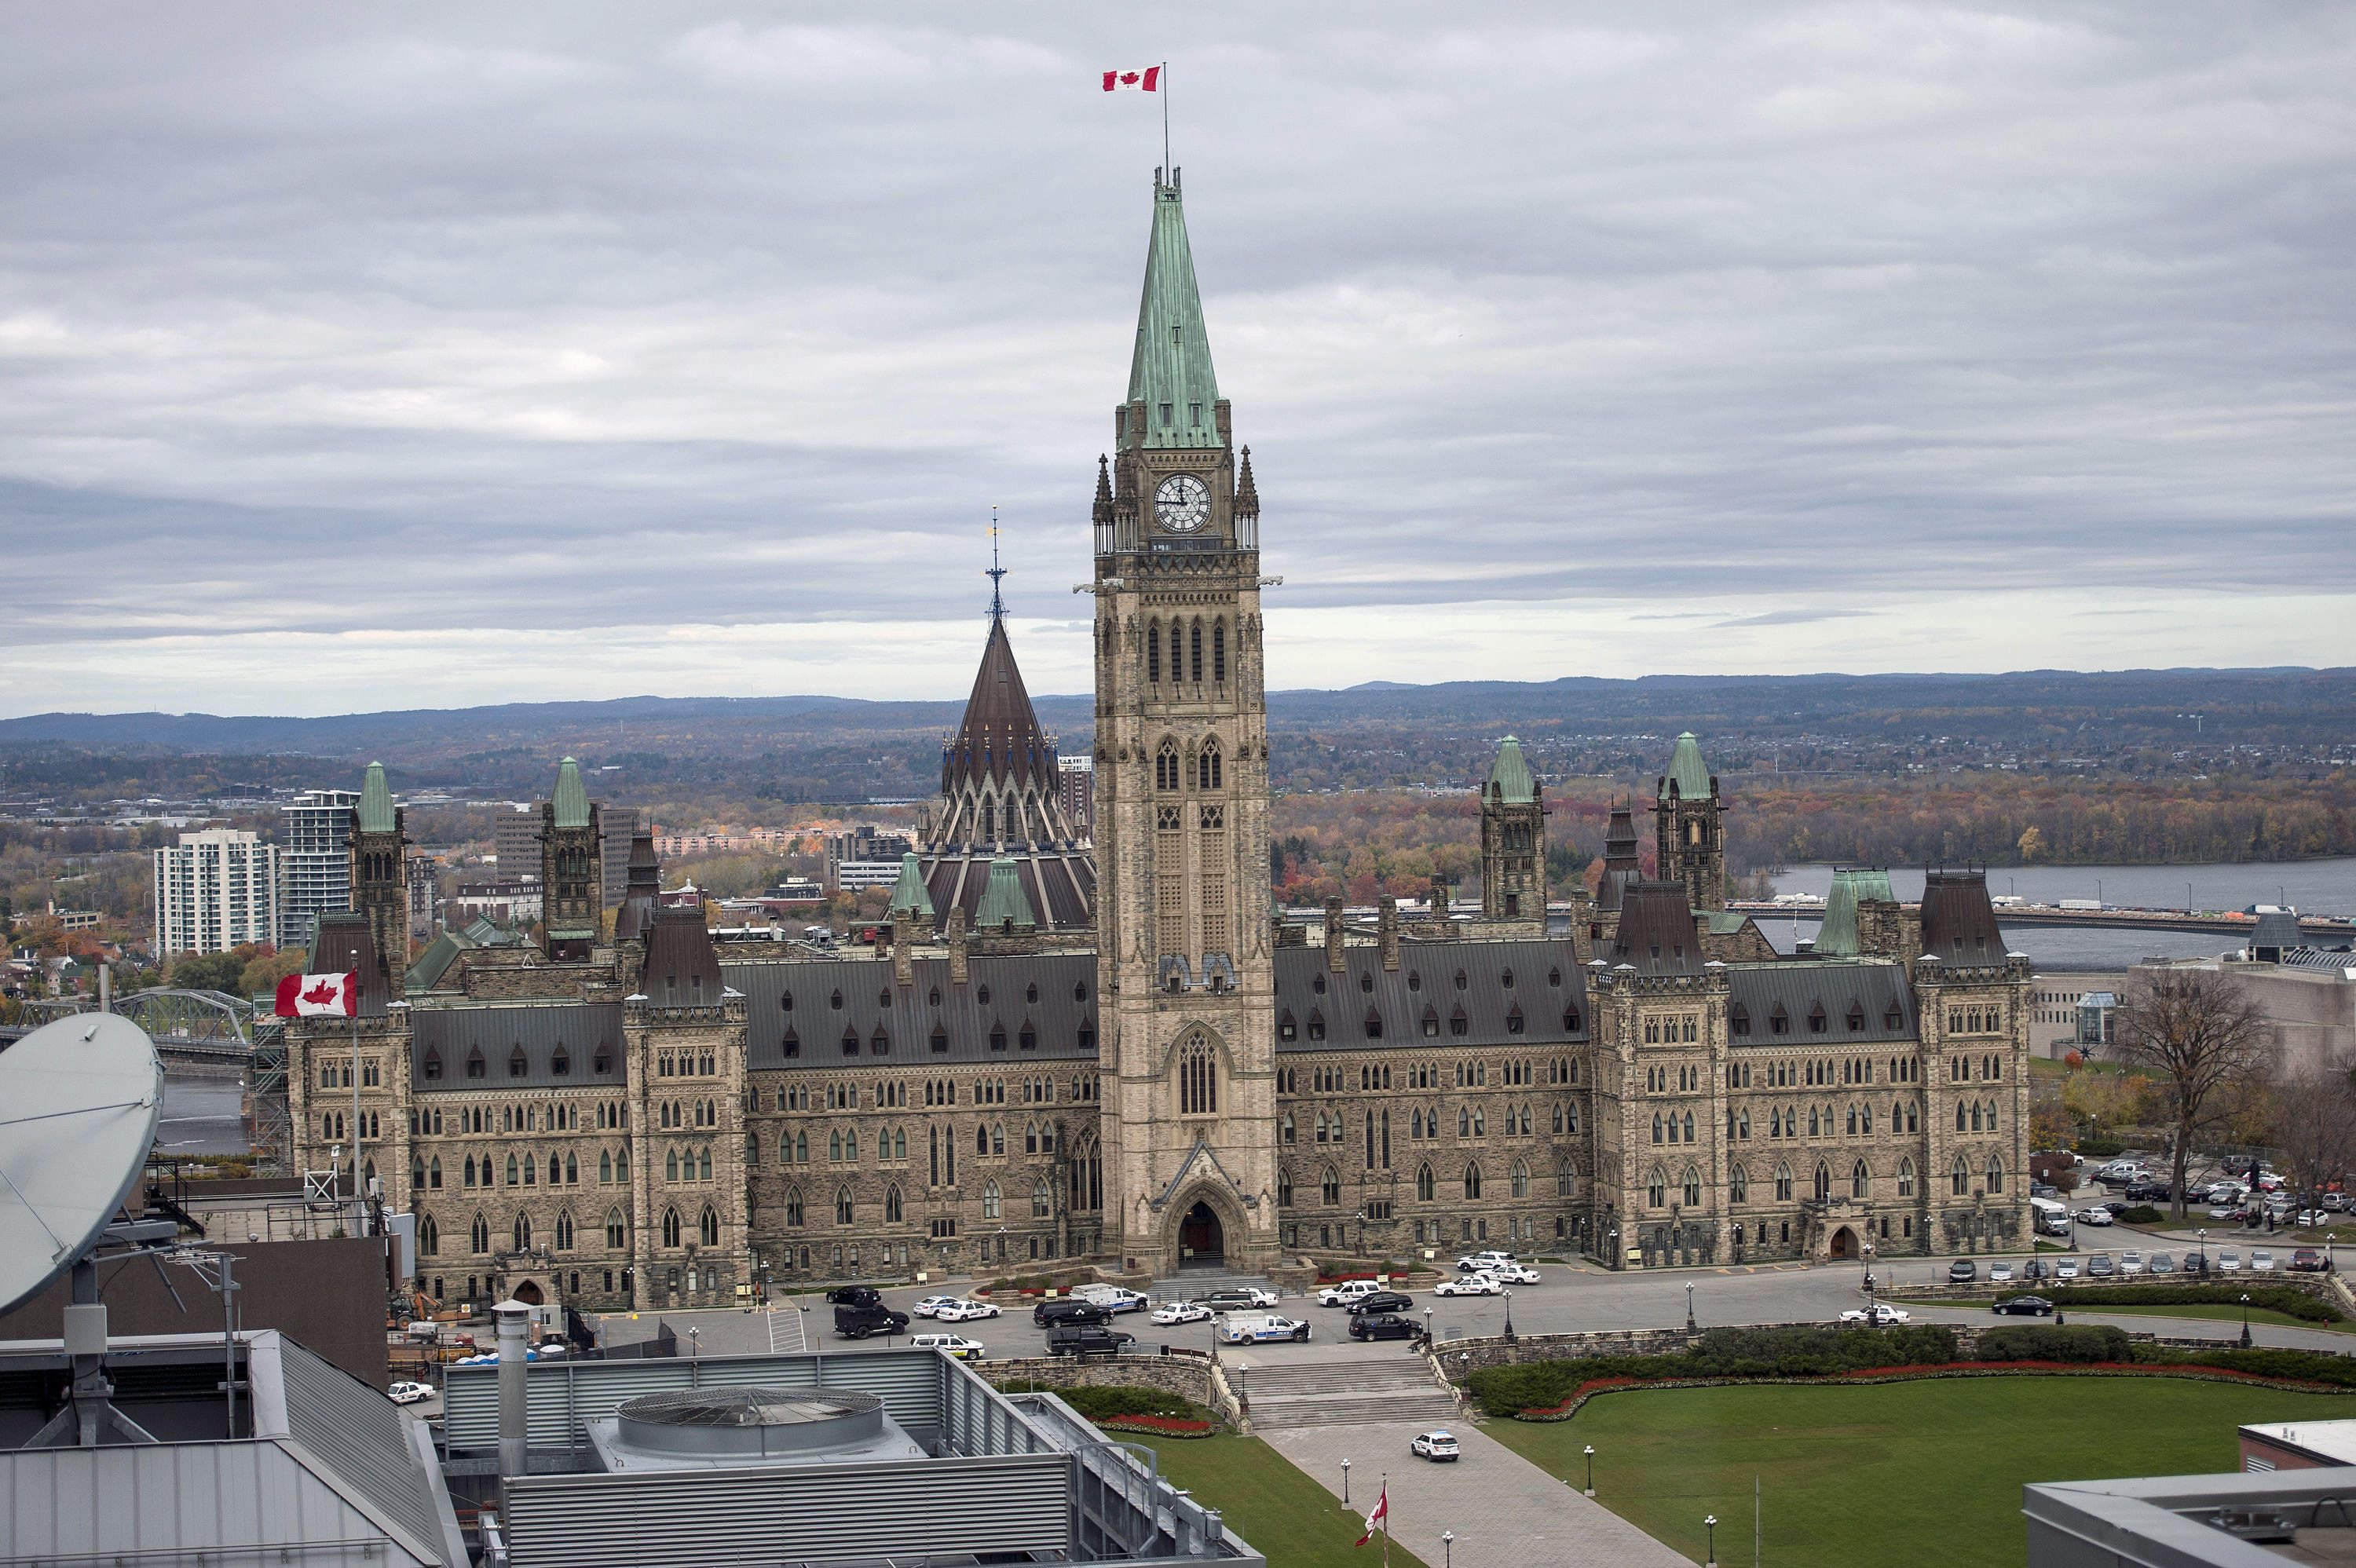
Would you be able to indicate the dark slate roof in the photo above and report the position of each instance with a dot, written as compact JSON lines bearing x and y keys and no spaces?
{"x":678,"y":955}
{"x":1058,"y":880}
{"x":2276,"y":929}
{"x":578,"y":1028}
{"x":1758,"y":989}
{"x":999,"y":737}
{"x":1547,"y":983}
{"x":1620,"y":864}
{"x":1958,"y":920}
{"x":644,"y":890}
{"x":1065,"y":1006}
{"x":343,"y":941}
{"x":1656,"y":933}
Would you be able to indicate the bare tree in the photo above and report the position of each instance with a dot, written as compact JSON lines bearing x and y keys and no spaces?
{"x":2315,"y":1129}
{"x":2197,"y":1033}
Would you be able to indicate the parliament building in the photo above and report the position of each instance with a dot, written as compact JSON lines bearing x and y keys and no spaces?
{"x":1111,"y":1052}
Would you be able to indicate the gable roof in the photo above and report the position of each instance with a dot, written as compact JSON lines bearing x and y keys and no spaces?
{"x":1171,"y":367}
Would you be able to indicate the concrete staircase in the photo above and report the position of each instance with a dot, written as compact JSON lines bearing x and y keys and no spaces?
{"x":1353,"y":1392}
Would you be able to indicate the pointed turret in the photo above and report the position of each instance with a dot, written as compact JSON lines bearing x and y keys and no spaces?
{"x":375,"y":813}
{"x":1247,"y":492}
{"x":1170,"y":373}
{"x":1688,"y":836}
{"x":1509,"y":775}
{"x":1513,"y":840}
{"x":999,"y":738}
{"x":1102,"y":511}
{"x":572,"y":876}
{"x":1004,"y":907}
{"x":1840,"y":936}
{"x":380,"y":877}
{"x":572,"y":801}
{"x":909,"y":894}
{"x":644,"y":893}
{"x":1686,"y":772}
{"x":1621,"y":864}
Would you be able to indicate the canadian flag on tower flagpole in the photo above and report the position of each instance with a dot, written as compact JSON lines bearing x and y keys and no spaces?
{"x":1147,"y":79}
{"x":312,"y":996}
{"x":1382,"y":1512}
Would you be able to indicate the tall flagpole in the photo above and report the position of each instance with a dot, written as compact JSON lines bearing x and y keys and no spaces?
{"x":1165,"y":121}
{"x":1386,"y":1498}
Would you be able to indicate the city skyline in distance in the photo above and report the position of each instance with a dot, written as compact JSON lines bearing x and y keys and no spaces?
{"x":555,"y":359}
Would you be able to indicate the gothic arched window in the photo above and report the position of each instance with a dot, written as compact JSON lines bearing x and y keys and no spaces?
{"x":1521,"y":1178}
{"x":891,"y":1205}
{"x":1195,"y":660}
{"x":1824,"y":1183}
{"x":842,"y":1211}
{"x":1960,"y":1178}
{"x":1153,"y":651}
{"x":1859,"y":1182}
{"x":1219,"y":650}
{"x":1472,"y":1182}
{"x":708,"y":1228}
{"x":564,"y":1230}
{"x":1165,"y":766}
{"x":671,"y":1228}
{"x":1198,"y":1081}
{"x":1656,"y":1187}
{"x":1329,"y":1186}
{"x":479,"y":1239}
{"x":1206,"y":767}
{"x":617,"y":1230}
{"x":1424,"y":1184}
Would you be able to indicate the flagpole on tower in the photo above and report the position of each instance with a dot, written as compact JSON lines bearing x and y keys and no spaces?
{"x":1165,"y":121}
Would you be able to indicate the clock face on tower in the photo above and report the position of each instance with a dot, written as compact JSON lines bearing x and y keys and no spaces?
{"x":1182,"y":504}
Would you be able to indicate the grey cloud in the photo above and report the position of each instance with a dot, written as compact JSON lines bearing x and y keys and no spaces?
{"x":1791,"y":617}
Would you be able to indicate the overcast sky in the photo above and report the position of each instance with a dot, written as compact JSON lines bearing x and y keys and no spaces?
{"x":359,"y":357}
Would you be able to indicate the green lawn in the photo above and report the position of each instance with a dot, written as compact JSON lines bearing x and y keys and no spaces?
{"x":1288,"y":1517}
{"x":1865,"y":1476}
{"x":2229,"y":1311}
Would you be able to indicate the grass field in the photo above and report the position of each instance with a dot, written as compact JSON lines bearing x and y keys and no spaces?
{"x":2221,"y":1311}
{"x":1288,"y":1517}
{"x":1890,"y":1473}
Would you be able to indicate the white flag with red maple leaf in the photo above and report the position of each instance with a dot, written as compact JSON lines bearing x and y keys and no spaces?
{"x":1146,"y":79}
{"x":313,"y":995}
{"x":1382,"y":1512}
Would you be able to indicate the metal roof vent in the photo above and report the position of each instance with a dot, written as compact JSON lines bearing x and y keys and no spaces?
{"x":749,"y":1422}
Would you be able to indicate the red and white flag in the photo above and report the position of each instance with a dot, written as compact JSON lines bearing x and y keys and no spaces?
{"x":312,"y":996}
{"x":1146,"y":80}
{"x":1382,"y":1512}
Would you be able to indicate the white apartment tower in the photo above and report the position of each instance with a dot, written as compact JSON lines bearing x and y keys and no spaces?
{"x":215,"y":891}
{"x":314,"y":862}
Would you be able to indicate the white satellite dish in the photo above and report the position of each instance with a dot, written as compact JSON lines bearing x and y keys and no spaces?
{"x":78,"y":1100}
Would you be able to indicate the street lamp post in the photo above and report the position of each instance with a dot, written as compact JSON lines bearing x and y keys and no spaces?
{"x":1709,"y":1522}
{"x":2203,"y":1233}
{"x":1689,"y":1316}
{"x":1865,"y":1264}
{"x":1509,"y":1295}
{"x":1590,"y":1469}
{"x":2245,"y":1320}
{"x":695,"y":1335}
{"x":1447,"y":1548}
{"x":1346,"y":1483}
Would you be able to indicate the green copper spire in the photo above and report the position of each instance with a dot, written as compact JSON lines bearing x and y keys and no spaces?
{"x":571,"y":800}
{"x":909,"y":894}
{"x":1686,"y":769}
{"x":1002,"y":901}
{"x":1838,"y":936}
{"x":1510,"y":776}
{"x":376,"y":802}
{"x":1171,"y":372}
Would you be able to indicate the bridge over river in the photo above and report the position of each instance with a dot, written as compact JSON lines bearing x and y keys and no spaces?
{"x":2325,"y":929}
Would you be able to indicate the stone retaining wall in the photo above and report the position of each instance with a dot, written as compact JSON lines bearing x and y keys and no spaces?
{"x":1189,"y":1377}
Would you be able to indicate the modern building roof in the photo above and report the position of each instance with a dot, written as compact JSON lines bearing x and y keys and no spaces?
{"x":1520,"y":993}
{"x":571,"y":800}
{"x":1838,"y":936}
{"x":1958,"y":920}
{"x":544,"y":1045}
{"x":1509,"y":775}
{"x":1686,"y":773}
{"x":374,"y":814}
{"x":1170,"y":369}
{"x":2276,"y":932}
{"x":823,"y":1013}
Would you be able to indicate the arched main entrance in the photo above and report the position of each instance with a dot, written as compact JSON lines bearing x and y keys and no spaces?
{"x":1202,"y":1243}
{"x":1844,"y":1242}
{"x":530,"y":1293}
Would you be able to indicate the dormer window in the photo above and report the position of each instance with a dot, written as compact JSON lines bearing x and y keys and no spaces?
{"x":1374,"y":1024}
{"x":981,"y":995}
{"x":1816,"y":1018}
{"x":998,"y":1037}
{"x":1857,"y":1018}
{"x":1893,"y":1020}
{"x":1514,"y":1019}
{"x":1366,"y":983}
{"x":1029,"y":1038}
{"x":1088,"y":1036}
{"x":1317,"y":1024}
{"x":1778,"y":1021}
{"x":940,"y":1040}
{"x":1031,"y":994}
{"x":602,"y":1065}
{"x":1509,"y":978}
{"x":786,"y":1002}
{"x":933,"y":999}
{"x":559,"y":1065}
{"x":879,"y":1043}
{"x":793,"y":1043}
{"x":1414,"y":981}
{"x":1738,"y":1018}
{"x":1458,"y":1024}
{"x":1570,"y":1021}
{"x":1460,"y":980}
{"x":1285,"y":1027}
{"x":432,"y":1065}
{"x":1554,"y":976}
{"x":1430,"y":1022}
{"x":475,"y":1064}
{"x":1080,"y":992}
{"x":836,"y":999}
{"x":517,"y":1063}
{"x":1317,"y":984}
{"x":850,"y":1042}
{"x":883,"y":998}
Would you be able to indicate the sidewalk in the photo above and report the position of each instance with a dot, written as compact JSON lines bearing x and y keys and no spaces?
{"x":1505,"y":1512}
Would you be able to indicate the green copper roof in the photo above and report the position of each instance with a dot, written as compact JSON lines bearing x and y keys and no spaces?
{"x":1686,"y":769}
{"x":571,"y":800}
{"x":376,"y":802}
{"x":1836,"y":937}
{"x":1171,"y":370}
{"x":1002,"y":901}
{"x":1511,"y":775}
{"x":909,"y":894}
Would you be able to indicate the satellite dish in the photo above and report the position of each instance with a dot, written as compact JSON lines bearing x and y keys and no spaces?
{"x":78,"y":1100}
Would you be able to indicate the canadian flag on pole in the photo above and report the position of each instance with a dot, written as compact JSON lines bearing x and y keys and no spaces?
{"x":1382,"y":1512}
{"x":310,"y":996}
{"x":1146,"y":80}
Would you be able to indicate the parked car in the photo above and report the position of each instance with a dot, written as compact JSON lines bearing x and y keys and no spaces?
{"x":2131,"y":1261}
{"x":2307,"y":1218}
{"x":956,"y":1345}
{"x":1349,"y":1290}
{"x":1260,"y":1328}
{"x":965,"y":1310}
{"x":2035,"y":1268}
{"x":2307,"y":1260}
{"x":1171,"y":1312}
{"x":1999,"y":1272}
{"x":2114,"y":1207}
{"x":1482,"y":1262}
{"x":1382,"y":1301}
{"x":1962,"y":1271}
{"x":932,"y":1304}
{"x":852,"y":1296}
{"x":409,"y":1394}
{"x":2099,"y":1266}
{"x":1237,"y":1299}
{"x":2043,"y":1190}
{"x":2093,"y":1214}
{"x":2022,"y":1306}
{"x":1470,"y":1284}
{"x":2229,"y":1262}
{"x":1050,"y":1314}
{"x":2337,"y":1202}
{"x":1384,"y":1326}
{"x":1880,"y":1314}
{"x":1439,"y":1444}
{"x":2225,"y":1211}
{"x":2198,"y":1263}
{"x":2262,"y":1262}
{"x":1085,"y":1339}
{"x":2161,"y":1262}
{"x":2067,"y":1268}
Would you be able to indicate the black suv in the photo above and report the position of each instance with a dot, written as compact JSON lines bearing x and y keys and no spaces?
{"x":1055,"y":1314}
{"x":1087,"y":1340}
{"x":1962,"y":1271}
{"x":1384,"y":1326}
{"x":854,"y":1295}
{"x":858,"y":1322}
{"x":1381,"y":1301}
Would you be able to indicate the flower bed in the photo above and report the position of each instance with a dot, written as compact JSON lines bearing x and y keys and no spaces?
{"x":1156,"y":1426}
{"x":1588,"y":1391}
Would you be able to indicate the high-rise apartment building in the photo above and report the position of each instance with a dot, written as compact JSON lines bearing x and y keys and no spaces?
{"x":215,"y":891}
{"x":314,"y":862}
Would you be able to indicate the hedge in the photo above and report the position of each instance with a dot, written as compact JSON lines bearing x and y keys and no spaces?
{"x":2306,"y":1366}
{"x":2047,"y":1342}
{"x":2285,"y":1299}
{"x":2141,"y":1214}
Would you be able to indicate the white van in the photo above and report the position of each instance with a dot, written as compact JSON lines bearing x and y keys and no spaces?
{"x":1113,"y":1298}
{"x":1260,"y":1328}
{"x":2052,"y":1216}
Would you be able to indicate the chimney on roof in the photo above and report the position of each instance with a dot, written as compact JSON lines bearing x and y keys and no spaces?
{"x":1582,"y":922}
{"x":957,"y":945}
{"x":1440,"y":898}
{"x":1387,"y":930}
{"x":1333,"y":960}
{"x":904,"y":962}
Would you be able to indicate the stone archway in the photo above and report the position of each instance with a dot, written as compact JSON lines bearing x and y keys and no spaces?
{"x":1204,"y":1228}
{"x":531,"y":1295}
{"x":1844,"y":1244}
{"x":1201,"y":1240}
